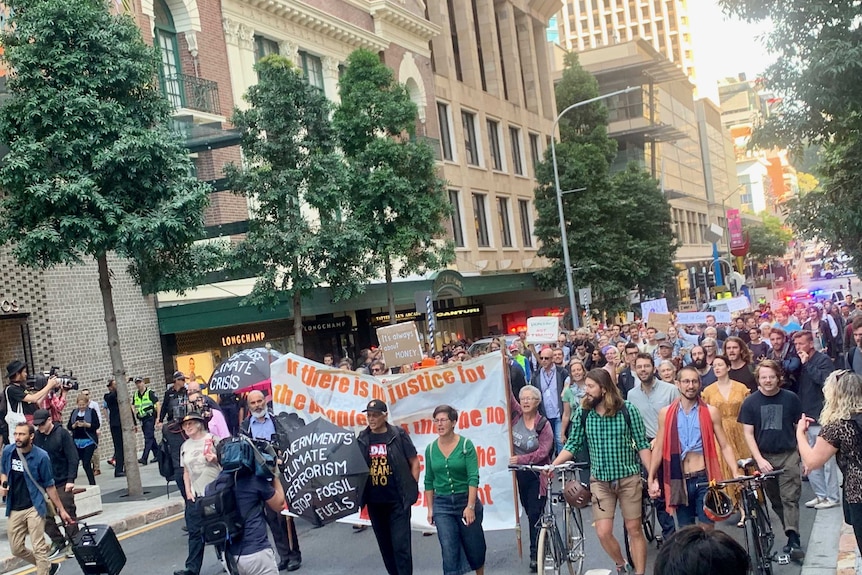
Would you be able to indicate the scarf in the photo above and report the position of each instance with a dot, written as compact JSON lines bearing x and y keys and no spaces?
{"x":674,"y":482}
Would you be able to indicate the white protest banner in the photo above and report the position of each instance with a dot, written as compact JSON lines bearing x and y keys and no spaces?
{"x":476,"y":388}
{"x":400,"y":344}
{"x":543,"y":329}
{"x":692,"y":318}
{"x":732,"y":304}
{"x":653,"y":306}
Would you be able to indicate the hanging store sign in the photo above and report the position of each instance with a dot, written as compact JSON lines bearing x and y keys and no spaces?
{"x":327,"y":325}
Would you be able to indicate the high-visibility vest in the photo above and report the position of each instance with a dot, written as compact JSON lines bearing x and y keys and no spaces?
{"x":143,"y":406}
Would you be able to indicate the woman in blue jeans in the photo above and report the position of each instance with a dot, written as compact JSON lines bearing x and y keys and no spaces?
{"x":452,"y":496}
{"x":84,"y":423}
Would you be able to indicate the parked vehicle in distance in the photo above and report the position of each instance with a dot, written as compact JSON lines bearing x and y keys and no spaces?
{"x":480,"y":346}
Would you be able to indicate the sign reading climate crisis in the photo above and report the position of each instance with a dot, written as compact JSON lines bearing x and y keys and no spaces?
{"x":477,"y":388}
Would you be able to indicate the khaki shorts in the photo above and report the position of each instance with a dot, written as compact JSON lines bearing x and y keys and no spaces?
{"x":628,"y":491}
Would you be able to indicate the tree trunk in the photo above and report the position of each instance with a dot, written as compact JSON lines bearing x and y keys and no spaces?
{"x":297,"y":323}
{"x":130,"y":447}
{"x":390,"y":293}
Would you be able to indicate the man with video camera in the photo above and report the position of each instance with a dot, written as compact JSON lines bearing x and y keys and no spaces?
{"x":261,"y":424}
{"x":24,"y":397}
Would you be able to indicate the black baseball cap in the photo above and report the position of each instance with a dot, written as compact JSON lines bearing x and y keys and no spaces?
{"x":41,"y":416}
{"x":376,"y":405}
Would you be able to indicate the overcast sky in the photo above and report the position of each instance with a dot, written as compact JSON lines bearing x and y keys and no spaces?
{"x":724,"y":47}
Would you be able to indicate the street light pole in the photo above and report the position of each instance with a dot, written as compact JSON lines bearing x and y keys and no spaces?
{"x":563,"y":238}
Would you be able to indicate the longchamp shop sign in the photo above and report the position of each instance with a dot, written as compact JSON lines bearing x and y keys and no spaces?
{"x":242,"y":338}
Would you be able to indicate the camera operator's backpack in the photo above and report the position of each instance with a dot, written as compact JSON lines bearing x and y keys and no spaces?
{"x":220,"y":519}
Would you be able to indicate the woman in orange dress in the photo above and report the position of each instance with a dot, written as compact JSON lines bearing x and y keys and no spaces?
{"x":727,"y":396}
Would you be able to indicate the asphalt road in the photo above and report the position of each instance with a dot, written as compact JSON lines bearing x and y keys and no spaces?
{"x":161,"y":548}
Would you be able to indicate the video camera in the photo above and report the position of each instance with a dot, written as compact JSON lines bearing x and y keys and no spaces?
{"x":40,"y":380}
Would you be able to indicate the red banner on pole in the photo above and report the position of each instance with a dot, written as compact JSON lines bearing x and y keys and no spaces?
{"x":734,"y":228}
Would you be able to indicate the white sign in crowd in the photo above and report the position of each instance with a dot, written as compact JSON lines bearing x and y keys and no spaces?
{"x":477,"y":388}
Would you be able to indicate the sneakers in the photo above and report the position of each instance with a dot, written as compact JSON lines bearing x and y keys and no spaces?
{"x":826,"y":504}
{"x":794,"y":546}
{"x":624,"y":569}
{"x":70,"y":554}
{"x":811,"y":504}
{"x":56,"y":550}
{"x":54,"y":568}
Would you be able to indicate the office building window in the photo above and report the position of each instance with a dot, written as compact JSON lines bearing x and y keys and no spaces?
{"x":517,"y":164}
{"x":312,"y":69}
{"x":534,"y":152}
{"x":505,"y":226}
{"x":471,"y":146}
{"x":445,"y":132}
{"x":457,"y":229}
{"x":480,"y":220}
{"x":264,"y":47}
{"x":524,"y":215}
{"x":494,"y":139}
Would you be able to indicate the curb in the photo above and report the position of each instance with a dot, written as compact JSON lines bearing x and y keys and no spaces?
{"x":848,"y":555}
{"x":822,"y":552}
{"x":119,"y":526}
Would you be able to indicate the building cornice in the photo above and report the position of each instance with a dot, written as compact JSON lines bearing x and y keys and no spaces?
{"x":389,"y":12}
{"x":320,"y":22}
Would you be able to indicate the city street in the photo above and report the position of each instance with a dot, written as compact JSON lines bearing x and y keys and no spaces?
{"x":161,"y":548}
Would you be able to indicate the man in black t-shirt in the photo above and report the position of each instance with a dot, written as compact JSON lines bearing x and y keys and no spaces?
{"x":392,"y":487}
{"x":768,"y":417}
{"x":19,"y":395}
{"x":118,"y":460}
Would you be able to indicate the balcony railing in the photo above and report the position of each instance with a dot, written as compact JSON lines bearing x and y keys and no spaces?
{"x":184,"y":91}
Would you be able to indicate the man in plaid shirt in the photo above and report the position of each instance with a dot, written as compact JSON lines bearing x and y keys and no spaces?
{"x":613,"y":430}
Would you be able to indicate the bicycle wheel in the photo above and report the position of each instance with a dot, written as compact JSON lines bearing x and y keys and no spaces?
{"x":546,"y":555}
{"x":575,"y":540}
{"x":648,"y":518}
{"x":227,"y":561}
{"x":759,"y":547}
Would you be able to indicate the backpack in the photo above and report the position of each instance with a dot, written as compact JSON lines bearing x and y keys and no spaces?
{"x":166,"y":463}
{"x":220,"y":519}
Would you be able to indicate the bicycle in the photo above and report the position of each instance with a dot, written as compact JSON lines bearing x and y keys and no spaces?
{"x":227,"y":561}
{"x":759,"y":537}
{"x":553,"y":550}
{"x":649,"y":521}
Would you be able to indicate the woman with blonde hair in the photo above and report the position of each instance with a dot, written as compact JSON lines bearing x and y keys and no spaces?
{"x":840,"y":436}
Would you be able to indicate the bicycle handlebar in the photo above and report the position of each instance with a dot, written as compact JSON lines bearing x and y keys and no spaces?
{"x":567,"y":466}
{"x":744,"y":478}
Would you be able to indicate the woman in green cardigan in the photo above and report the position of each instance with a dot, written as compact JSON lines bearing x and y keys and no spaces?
{"x":452,"y":496}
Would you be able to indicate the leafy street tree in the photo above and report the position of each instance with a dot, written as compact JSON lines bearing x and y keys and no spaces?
{"x":395,"y":193}
{"x":93,"y":167}
{"x":818,"y":75}
{"x":619,"y":228}
{"x":769,"y":239}
{"x":297,"y":238}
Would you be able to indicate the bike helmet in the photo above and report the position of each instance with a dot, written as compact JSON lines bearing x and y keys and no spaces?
{"x":717,"y":505}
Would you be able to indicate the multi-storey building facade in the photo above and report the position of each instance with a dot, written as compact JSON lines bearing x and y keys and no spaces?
{"x":479,"y":74}
{"x":587,"y":24}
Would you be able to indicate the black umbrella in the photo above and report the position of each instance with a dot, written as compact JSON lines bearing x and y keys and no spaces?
{"x":325,"y":472}
{"x":242,"y":370}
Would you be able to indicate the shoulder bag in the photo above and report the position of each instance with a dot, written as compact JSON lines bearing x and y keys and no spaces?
{"x":49,"y":505}
{"x":13,"y":418}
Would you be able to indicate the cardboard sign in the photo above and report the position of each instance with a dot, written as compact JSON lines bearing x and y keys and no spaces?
{"x":400,"y":344}
{"x":478,"y":388}
{"x":543,"y":329}
{"x":660,"y":321}
{"x":687,"y":306}
{"x":698,"y":318}
{"x":653,"y":306}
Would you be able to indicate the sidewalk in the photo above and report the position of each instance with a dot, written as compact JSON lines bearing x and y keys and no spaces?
{"x":849,"y":560}
{"x":118,"y":512}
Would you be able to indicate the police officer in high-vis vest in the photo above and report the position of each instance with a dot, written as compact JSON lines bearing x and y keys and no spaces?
{"x":145,"y":403}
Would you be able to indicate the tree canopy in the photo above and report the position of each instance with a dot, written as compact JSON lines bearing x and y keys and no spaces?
{"x":395,"y":192}
{"x":768,"y":239}
{"x":93,"y":166}
{"x":618,"y":228}
{"x":818,"y":77}
{"x":298,"y":237}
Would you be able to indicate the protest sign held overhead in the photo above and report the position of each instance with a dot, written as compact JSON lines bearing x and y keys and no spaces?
{"x":543,"y":329}
{"x":400,"y":344}
{"x":476,"y":388}
{"x":653,"y":306}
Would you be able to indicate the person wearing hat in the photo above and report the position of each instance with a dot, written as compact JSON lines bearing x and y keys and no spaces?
{"x":174,"y":409}
{"x":17,"y":394}
{"x":145,"y":407}
{"x":200,"y":467}
{"x":60,"y":447}
{"x":392,"y":487}
{"x":516,"y":352}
